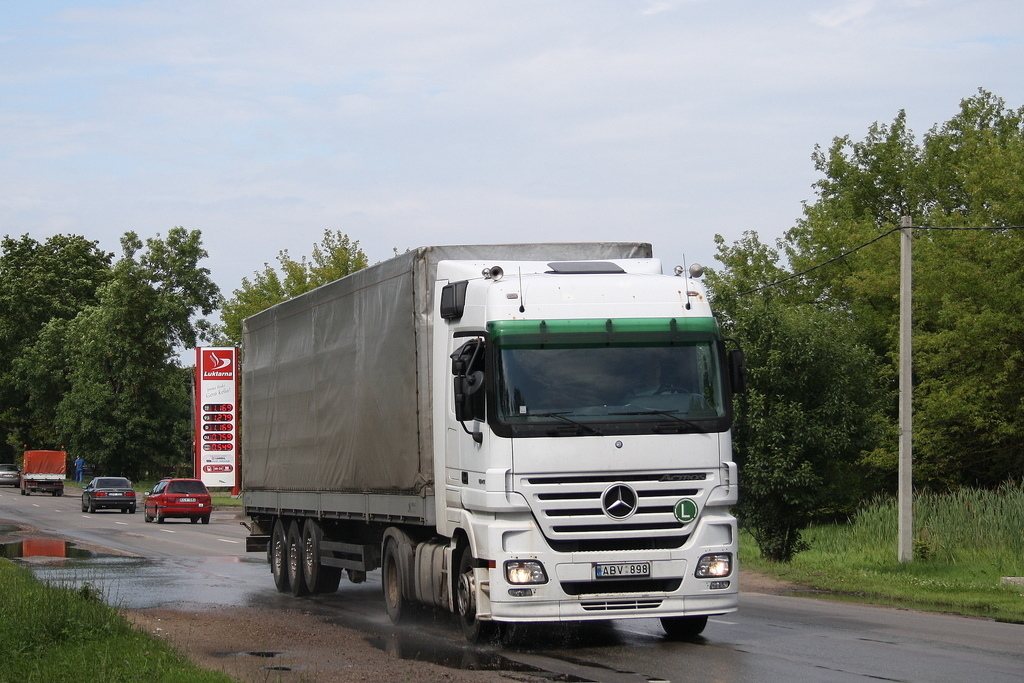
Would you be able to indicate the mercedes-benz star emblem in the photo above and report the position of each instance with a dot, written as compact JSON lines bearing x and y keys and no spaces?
{"x":619,"y":501}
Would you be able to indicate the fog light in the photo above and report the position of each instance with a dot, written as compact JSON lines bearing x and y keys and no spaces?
{"x":714,"y":565}
{"x":718,"y":585}
{"x":520,"y":592}
{"x":525,"y":571}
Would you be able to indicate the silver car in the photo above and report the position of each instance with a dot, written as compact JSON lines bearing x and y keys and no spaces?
{"x":10,"y":475}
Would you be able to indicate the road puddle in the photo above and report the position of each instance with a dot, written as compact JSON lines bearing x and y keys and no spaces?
{"x":143,"y":583}
{"x":47,"y":548}
{"x":412,"y":646}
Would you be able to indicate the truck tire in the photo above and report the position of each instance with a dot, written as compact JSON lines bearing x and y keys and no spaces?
{"x":465,"y":596}
{"x":296,"y":582}
{"x":392,"y":580}
{"x":318,"y":578}
{"x":684,"y":627}
{"x":277,"y":555}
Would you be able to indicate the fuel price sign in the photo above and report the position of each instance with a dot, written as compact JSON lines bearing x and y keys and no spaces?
{"x":217,"y":416}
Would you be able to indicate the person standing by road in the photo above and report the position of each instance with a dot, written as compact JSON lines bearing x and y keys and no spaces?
{"x":79,"y":469}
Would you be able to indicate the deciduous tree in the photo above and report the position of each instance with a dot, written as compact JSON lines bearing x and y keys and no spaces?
{"x":336,"y":256}
{"x":39,"y":282}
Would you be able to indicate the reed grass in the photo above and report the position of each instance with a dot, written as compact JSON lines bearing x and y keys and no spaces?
{"x":965,"y":543}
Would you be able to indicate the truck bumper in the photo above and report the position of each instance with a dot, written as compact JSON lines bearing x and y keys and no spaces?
{"x":573,"y":593}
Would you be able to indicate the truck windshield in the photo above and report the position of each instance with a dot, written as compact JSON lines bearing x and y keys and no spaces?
{"x":609,"y":381}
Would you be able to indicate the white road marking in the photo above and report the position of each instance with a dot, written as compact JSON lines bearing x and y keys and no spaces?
{"x":227,"y":540}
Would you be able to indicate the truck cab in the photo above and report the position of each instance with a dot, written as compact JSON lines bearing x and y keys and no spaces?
{"x":587,"y":470}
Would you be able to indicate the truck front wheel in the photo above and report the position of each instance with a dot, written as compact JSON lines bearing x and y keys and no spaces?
{"x":474,"y":629}
{"x":391,"y":579}
{"x":277,"y":554}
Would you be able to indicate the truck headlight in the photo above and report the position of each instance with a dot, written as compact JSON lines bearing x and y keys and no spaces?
{"x":525,"y":571}
{"x":714,"y":565}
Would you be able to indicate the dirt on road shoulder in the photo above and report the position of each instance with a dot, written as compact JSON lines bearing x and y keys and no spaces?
{"x":265,"y":645}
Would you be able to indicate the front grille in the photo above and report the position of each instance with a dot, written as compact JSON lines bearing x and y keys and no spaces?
{"x":597,"y":545}
{"x":569,"y":512}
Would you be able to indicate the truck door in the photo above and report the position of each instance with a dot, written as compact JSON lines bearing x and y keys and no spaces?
{"x":469,"y":407}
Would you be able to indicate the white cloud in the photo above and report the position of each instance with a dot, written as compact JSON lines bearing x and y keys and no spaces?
{"x":406,"y":123}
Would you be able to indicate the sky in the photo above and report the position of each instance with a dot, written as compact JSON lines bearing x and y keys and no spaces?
{"x":403,"y":124}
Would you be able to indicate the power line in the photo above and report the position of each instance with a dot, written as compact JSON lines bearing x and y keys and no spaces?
{"x":839,"y":257}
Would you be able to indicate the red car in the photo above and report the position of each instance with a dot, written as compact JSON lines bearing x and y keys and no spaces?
{"x":179,"y":498}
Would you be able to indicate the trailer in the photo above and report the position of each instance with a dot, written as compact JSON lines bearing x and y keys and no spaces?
{"x":514,"y":433}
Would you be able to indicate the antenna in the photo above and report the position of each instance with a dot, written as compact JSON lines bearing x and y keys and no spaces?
{"x":522,"y":307}
{"x":686,"y":282}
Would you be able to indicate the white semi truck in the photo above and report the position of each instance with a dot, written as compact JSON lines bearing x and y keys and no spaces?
{"x":514,"y":433}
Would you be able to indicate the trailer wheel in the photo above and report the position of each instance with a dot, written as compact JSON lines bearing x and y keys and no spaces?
{"x":474,"y":629}
{"x":318,"y":578}
{"x":684,"y":627}
{"x":296,"y":582}
{"x":391,"y":579}
{"x":277,"y":554}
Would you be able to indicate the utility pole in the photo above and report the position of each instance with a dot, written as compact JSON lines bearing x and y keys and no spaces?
{"x":906,"y":419}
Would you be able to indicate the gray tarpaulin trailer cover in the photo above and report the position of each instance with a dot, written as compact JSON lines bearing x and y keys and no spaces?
{"x":336,"y":387}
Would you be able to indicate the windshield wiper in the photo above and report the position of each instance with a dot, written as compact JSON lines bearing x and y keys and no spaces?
{"x":667,"y":413}
{"x":561,"y":416}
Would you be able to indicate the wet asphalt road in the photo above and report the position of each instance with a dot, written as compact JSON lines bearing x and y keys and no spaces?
{"x":771,"y":638}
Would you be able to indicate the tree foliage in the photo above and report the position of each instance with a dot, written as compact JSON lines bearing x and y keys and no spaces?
{"x":128,"y":406}
{"x":336,"y":256}
{"x":39,"y":282}
{"x":968,"y":341}
{"x":106,"y":383}
{"x":811,"y":407}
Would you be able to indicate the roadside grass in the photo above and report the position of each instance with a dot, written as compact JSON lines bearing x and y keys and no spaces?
{"x":55,"y":633}
{"x":964,"y":543}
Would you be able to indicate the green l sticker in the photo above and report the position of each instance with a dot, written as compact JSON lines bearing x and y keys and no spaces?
{"x":685,"y":510}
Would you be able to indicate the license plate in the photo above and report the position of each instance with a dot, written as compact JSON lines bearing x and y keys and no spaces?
{"x":186,"y":500}
{"x":622,"y":570}
{"x":113,"y":495}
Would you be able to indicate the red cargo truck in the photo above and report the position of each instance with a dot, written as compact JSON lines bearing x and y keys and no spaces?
{"x":44,"y":472}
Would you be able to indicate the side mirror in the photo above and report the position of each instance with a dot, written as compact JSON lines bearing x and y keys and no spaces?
{"x":453,"y":300}
{"x":466,"y":386}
